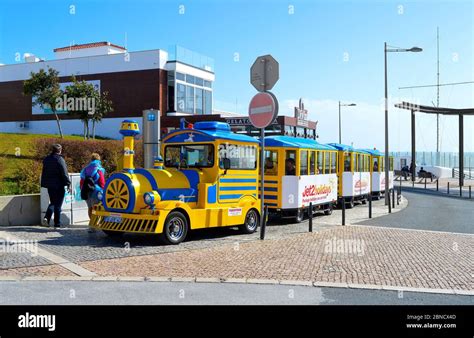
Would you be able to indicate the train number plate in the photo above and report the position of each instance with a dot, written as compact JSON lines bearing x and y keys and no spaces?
{"x":113,"y":219}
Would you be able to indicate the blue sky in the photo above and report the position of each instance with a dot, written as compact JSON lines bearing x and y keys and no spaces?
{"x":327,"y":50}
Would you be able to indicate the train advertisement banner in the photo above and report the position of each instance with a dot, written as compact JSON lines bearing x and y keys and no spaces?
{"x":355,"y":184}
{"x":378,"y":181}
{"x":299,"y":191}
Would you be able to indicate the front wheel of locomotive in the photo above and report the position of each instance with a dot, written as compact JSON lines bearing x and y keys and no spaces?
{"x":251,"y":222}
{"x":175,"y":228}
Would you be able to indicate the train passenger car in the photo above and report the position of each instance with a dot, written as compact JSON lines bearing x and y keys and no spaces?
{"x":209,"y":179}
{"x":377,"y":170}
{"x":353,"y":174}
{"x":299,"y":172}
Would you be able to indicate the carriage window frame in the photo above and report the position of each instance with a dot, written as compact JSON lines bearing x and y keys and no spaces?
{"x":333,"y":162}
{"x":319,"y":162}
{"x":273,"y":154}
{"x":225,"y":145}
{"x":327,"y":162}
{"x":304,"y":168}
{"x":345,"y":157}
{"x":291,"y":152}
{"x":180,"y":146}
{"x":312,"y":163}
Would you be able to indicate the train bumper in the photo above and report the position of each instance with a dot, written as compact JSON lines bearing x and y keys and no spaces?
{"x":120,"y":222}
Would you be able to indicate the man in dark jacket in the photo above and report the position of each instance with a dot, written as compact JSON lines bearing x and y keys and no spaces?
{"x":54,"y":178}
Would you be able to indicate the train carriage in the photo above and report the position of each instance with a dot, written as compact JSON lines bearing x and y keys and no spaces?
{"x":353,"y":174}
{"x":209,"y":179}
{"x":299,"y":172}
{"x":377,"y":170}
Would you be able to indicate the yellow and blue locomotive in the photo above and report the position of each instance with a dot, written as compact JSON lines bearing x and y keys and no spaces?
{"x":208,"y":179}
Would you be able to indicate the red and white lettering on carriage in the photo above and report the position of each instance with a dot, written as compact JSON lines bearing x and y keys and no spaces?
{"x":355,"y":184}
{"x":378,"y":181}
{"x":299,"y":191}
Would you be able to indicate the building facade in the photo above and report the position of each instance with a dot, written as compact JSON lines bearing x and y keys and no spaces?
{"x":178,"y":82}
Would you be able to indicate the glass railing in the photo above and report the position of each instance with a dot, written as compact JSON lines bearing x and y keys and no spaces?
{"x":184,"y":55}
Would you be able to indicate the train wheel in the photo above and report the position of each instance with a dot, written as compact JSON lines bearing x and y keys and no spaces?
{"x":251,"y":222}
{"x":328,"y":211}
{"x":175,"y":228}
{"x":350,"y":204}
{"x":299,"y":216}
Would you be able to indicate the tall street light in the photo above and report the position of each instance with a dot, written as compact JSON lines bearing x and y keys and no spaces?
{"x":387,"y":163}
{"x":343,"y":105}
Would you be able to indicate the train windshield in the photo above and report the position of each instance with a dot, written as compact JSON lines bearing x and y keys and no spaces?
{"x":190,"y":156}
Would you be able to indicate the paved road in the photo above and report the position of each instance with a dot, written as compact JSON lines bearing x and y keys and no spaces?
{"x":163,"y":293}
{"x":428,"y":211}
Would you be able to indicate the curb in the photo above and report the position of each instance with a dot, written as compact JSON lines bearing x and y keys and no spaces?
{"x":317,"y":284}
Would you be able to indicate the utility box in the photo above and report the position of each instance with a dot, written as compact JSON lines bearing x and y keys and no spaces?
{"x":74,"y":209}
{"x":151,"y":136}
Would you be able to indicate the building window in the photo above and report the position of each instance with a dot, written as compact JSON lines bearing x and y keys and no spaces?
{"x":207,"y":102}
{"x":190,"y":79}
{"x":207,"y":84}
{"x":189,"y":100}
{"x":181,"y":97}
{"x":179,"y":76}
{"x":289,"y":131}
{"x":199,"y":101}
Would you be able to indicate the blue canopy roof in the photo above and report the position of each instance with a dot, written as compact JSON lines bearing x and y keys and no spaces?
{"x":207,"y":131}
{"x":295,"y":142}
{"x":343,"y":147}
{"x":374,"y":152}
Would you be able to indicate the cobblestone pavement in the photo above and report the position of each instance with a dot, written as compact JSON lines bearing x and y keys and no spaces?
{"x":76,"y":245}
{"x":351,"y":254}
{"x":37,"y":271}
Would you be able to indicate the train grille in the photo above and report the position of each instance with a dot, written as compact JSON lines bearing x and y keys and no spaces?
{"x":125,"y":225}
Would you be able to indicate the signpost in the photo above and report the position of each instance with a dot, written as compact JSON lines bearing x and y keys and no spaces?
{"x":263,"y":110}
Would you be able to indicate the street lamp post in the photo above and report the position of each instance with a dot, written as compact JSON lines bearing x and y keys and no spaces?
{"x":343,"y":105}
{"x":387,"y":159}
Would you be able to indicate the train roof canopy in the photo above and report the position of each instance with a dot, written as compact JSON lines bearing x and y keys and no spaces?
{"x":207,"y":131}
{"x":374,"y":152}
{"x":343,"y":147}
{"x":295,"y":142}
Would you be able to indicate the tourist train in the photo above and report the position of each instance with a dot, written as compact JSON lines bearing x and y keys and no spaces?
{"x":210,"y":177}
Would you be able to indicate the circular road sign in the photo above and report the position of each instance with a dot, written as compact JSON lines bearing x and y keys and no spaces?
{"x":263,"y":109}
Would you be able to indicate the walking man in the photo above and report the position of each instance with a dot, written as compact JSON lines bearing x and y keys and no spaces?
{"x":55,"y":177}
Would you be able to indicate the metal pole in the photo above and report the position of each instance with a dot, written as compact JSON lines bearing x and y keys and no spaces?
{"x":425,"y":182}
{"x":413,"y":147}
{"x":393,"y":198}
{"x":343,"y":211}
{"x":340,"y":122}
{"x":461,"y":149}
{"x":437,"y":184}
{"x":370,"y":205}
{"x":264,"y":223}
{"x":262,"y":180}
{"x":387,"y":196}
{"x":460,"y":191}
{"x":310,"y":214}
{"x":448,"y":188}
{"x":469,"y":192}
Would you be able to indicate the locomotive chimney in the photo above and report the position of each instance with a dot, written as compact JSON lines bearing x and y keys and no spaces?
{"x":129,"y":130}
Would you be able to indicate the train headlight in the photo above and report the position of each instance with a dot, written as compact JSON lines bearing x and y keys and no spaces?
{"x":149,"y":198}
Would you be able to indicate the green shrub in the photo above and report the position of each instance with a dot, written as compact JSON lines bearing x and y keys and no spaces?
{"x":77,"y":154}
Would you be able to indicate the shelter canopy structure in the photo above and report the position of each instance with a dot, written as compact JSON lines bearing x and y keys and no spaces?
{"x":460,"y":112}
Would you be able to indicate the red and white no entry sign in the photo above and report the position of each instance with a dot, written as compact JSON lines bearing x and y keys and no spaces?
{"x":263,"y":109}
